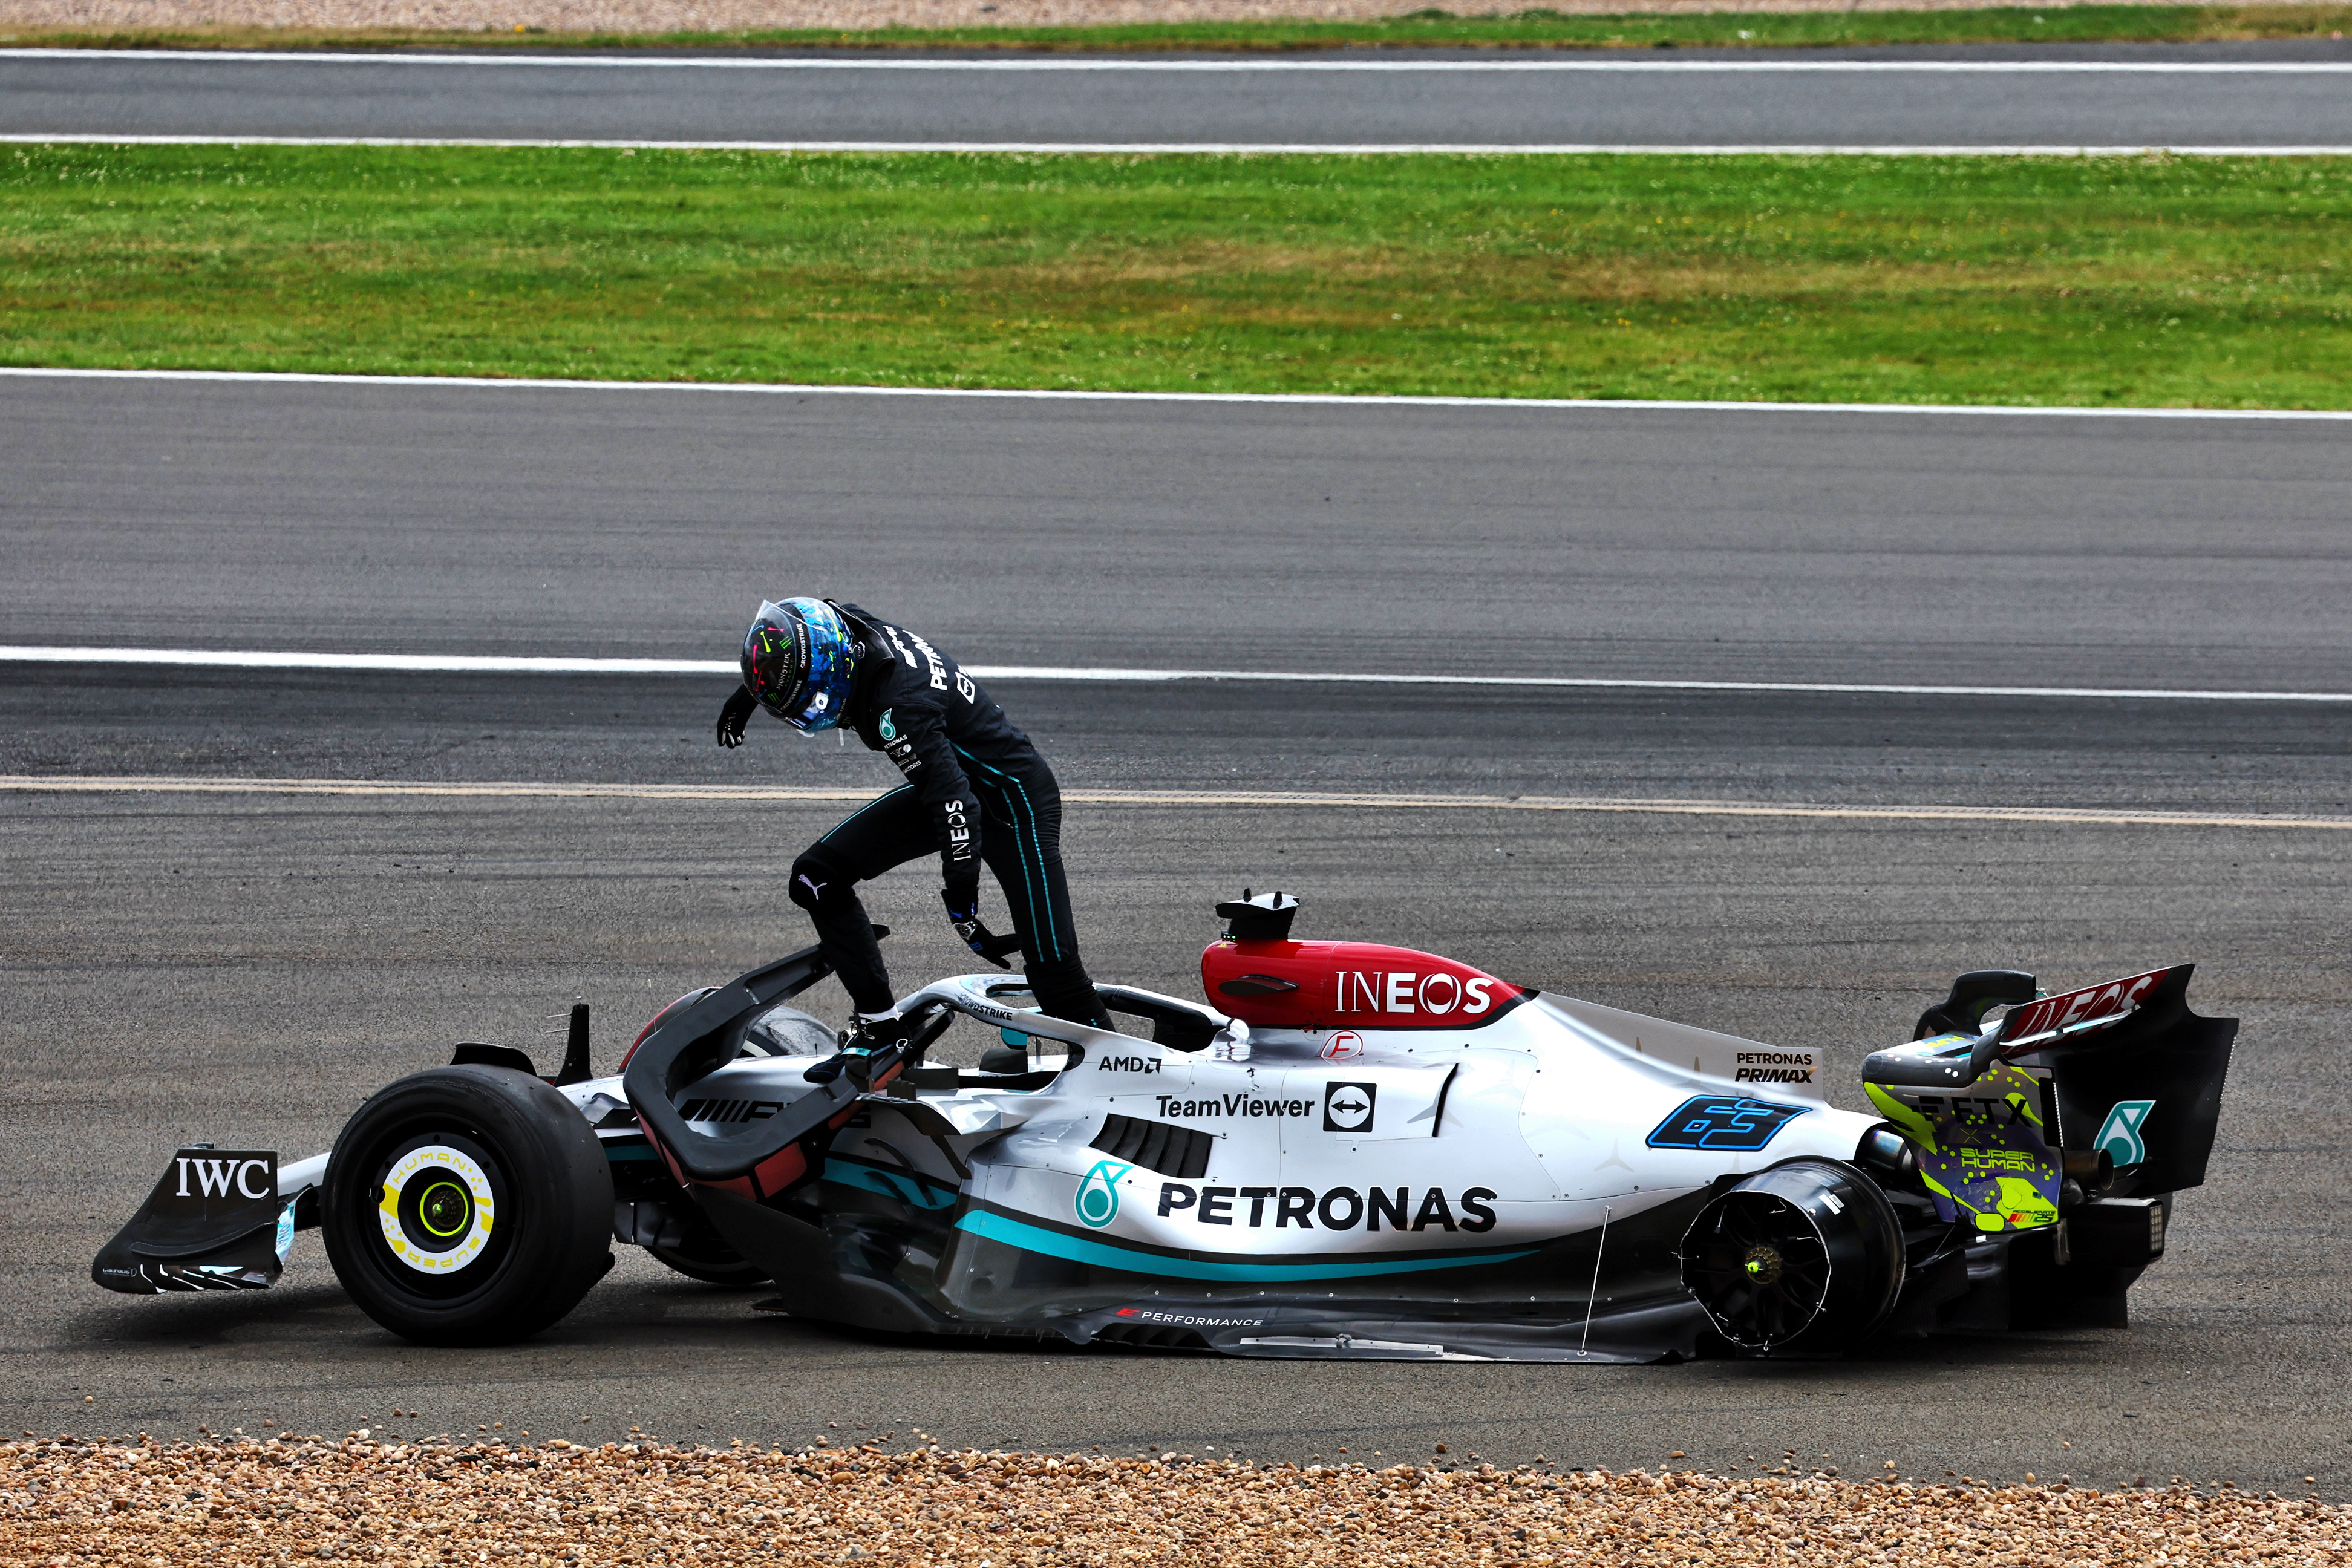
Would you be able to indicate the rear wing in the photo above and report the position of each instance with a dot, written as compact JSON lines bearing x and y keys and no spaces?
{"x":2129,"y":1070}
{"x":2135,"y":1072}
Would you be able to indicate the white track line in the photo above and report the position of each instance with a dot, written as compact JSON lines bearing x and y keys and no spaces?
{"x":478,"y":664}
{"x":35,"y":784}
{"x":1233,"y":148}
{"x":1309,"y":399}
{"x":1131,"y":63}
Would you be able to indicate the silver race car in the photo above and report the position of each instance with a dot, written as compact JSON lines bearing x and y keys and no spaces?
{"x":1347,"y":1149}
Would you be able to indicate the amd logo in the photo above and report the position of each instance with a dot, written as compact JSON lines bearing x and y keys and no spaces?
{"x":1405,"y":992}
{"x":1144,"y":1064}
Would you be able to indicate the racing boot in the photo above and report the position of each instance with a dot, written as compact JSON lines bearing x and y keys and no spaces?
{"x":1063,"y":991}
{"x":873,"y":1051}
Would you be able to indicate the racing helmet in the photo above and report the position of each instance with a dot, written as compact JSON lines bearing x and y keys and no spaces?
{"x":798,"y":660}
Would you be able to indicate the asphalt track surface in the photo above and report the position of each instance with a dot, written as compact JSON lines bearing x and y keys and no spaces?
{"x":2258,"y":96}
{"x":244,"y":966}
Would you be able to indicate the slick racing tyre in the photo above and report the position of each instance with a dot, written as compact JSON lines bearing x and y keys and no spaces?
{"x":467,"y":1205}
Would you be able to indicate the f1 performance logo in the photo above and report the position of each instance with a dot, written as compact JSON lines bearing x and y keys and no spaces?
{"x":1347,"y":1106}
{"x":2119,"y":1133}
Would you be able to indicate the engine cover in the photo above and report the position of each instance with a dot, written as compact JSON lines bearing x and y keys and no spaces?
{"x":1338,"y":984}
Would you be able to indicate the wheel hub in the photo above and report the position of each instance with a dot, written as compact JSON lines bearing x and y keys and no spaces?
{"x":436,"y":1210}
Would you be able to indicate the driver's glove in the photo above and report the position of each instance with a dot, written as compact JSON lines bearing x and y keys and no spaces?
{"x":962,"y":899}
{"x":735,"y":715}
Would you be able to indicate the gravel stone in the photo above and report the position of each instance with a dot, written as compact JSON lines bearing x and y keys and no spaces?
{"x":69,"y":1502}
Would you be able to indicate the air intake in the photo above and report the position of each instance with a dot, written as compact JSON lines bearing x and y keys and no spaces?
{"x":1179,"y":1152}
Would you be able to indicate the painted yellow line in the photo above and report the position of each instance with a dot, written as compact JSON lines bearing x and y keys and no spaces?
{"x":1603,"y":804}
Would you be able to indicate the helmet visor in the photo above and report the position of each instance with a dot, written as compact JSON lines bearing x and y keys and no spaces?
{"x":776,"y":658}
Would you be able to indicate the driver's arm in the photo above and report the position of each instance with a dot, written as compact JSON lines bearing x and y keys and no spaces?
{"x":928,"y":758}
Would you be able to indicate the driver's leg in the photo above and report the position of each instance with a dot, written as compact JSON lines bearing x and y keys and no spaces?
{"x":1021,"y":843}
{"x":885,"y":832}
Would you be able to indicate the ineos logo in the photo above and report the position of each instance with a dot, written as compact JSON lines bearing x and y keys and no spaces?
{"x":1347,"y":1106}
{"x":1359,"y":992}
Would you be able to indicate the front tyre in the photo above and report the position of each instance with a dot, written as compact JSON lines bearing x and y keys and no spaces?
{"x":467,"y":1205}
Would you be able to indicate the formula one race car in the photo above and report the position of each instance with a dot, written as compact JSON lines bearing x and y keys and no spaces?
{"x":1357,"y":1151}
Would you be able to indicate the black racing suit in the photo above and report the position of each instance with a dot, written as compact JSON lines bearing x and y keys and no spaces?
{"x":976,"y":793}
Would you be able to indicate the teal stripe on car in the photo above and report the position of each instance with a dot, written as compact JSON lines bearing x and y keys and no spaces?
{"x":908,"y":1189}
{"x":1103,"y":1255}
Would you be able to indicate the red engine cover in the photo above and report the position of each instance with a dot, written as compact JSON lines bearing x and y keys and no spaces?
{"x":1334,"y":985}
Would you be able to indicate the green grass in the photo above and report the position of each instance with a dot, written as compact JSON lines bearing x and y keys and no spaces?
{"x":1424,"y":29}
{"x":2201,"y":281}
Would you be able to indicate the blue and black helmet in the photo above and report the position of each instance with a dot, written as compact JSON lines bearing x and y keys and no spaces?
{"x":798,"y":660}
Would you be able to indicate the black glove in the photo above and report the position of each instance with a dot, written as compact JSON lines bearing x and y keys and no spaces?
{"x":962,"y":900}
{"x":734,"y":716}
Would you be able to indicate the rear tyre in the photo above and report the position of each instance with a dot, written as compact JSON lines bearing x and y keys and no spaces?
{"x":467,"y":1205}
{"x":1807,"y":1255}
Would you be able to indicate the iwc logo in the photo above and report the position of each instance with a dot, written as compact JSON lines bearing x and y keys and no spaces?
{"x":1098,"y":1196}
{"x":1347,"y":1106}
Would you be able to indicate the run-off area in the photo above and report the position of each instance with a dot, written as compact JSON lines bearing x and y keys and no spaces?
{"x":242,"y":969}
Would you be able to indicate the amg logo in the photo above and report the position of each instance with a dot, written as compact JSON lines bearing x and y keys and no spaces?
{"x":730,"y":1110}
{"x":931,"y":661}
{"x":1379,"y":991}
{"x":1341,"y":1208}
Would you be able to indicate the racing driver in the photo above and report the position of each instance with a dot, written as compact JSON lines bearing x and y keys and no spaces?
{"x":976,"y":792}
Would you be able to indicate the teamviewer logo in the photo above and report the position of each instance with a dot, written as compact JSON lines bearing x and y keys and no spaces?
{"x":1347,"y":1106}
